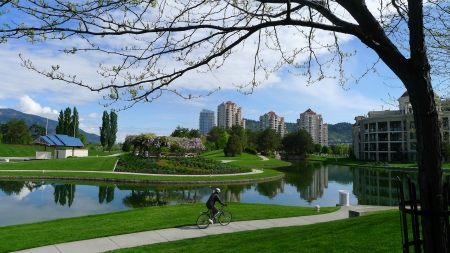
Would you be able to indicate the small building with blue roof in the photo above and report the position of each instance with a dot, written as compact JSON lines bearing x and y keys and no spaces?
{"x":60,"y":141}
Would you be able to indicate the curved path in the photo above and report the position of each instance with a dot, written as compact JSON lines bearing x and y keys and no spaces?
{"x":173,"y":234}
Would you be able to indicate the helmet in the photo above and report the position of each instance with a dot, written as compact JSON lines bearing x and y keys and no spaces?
{"x":217,"y":190}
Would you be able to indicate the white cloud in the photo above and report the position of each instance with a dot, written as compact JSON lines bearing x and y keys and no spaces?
{"x":28,"y":105}
{"x":93,"y":115}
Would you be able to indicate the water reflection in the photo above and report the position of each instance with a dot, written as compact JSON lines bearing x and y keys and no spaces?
{"x":304,"y":184}
{"x":375,"y":187}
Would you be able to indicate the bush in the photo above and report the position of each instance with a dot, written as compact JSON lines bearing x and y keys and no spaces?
{"x":251,"y":151}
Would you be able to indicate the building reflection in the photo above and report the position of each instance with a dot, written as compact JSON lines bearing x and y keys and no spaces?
{"x":315,"y":189}
{"x":376,"y":187}
{"x":310,"y":179}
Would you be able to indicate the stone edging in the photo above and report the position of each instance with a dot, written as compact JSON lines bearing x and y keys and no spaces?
{"x":250,"y":180}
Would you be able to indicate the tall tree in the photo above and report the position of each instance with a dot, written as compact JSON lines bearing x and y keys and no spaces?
{"x":112,"y":135}
{"x":202,"y":35}
{"x":298,"y":143}
{"x":104,"y":129}
{"x":60,"y":127}
{"x":268,"y":140}
{"x":234,"y":146}
{"x":68,"y":126}
{"x":17,"y":132}
{"x":240,"y":132}
{"x":75,"y":123}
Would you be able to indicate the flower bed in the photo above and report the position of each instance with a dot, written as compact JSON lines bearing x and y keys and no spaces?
{"x":175,"y":165}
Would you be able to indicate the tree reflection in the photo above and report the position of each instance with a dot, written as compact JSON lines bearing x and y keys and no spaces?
{"x":270,"y":189}
{"x":11,"y":187}
{"x":105,"y":193}
{"x":144,"y":198}
{"x":64,"y":194}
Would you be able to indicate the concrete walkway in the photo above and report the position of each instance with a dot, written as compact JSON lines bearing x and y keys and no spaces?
{"x":173,"y":234}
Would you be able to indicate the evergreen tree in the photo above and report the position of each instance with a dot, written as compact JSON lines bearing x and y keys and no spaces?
{"x":104,"y":129}
{"x":60,"y":127}
{"x":112,"y":129}
{"x":75,"y":123}
{"x":68,"y":128}
{"x":234,"y":146}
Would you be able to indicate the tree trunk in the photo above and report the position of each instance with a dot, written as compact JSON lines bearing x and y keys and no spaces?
{"x":429,"y":159}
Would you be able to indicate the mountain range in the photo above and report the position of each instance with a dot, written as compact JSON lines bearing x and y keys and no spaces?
{"x":7,"y":114}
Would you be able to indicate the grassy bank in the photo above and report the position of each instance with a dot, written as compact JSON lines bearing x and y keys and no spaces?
{"x":101,"y":168}
{"x":341,"y":160}
{"x":245,"y":160}
{"x":136,"y":220}
{"x":371,"y":233}
{"x":11,"y":150}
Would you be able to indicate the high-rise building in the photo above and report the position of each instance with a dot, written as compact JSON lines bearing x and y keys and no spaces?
{"x":229,"y":114}
{"x":206,"y":121}
{"x":272,"y":120}
{"x":313,"y":124}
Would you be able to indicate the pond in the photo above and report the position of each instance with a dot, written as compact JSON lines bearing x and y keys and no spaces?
{"x":304,"y":184}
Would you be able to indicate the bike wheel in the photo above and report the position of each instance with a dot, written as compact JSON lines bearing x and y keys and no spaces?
{"x":225,"y":218}
{"x":203,"y":221}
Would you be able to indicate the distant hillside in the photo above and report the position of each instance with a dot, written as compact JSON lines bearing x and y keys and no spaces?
{"x":7,"y":114}
{"x":252,"y":124}
{"x":340,"y":132}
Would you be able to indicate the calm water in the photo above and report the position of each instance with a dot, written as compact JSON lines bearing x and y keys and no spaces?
{"x":305,"y":184}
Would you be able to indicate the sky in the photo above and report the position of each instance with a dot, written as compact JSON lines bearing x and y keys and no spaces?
{"x":286,"y":94}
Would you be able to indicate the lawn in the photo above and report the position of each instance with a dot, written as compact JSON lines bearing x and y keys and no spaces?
{"x":130,"y":221}
{"x":70,"y":164}
{"x":371,"y":233}
{"x":245,"y":160}
{"x":10,"y":150}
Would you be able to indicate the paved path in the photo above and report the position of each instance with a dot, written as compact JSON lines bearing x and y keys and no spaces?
{"x":173,"y":234}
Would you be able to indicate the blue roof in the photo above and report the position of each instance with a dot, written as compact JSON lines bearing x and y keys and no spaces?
{"x":59,"y":140}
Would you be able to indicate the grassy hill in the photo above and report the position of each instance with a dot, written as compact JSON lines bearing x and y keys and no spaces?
{"x":7,"y":114}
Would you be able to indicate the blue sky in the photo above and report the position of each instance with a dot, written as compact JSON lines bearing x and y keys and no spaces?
{"x":283,"y":93}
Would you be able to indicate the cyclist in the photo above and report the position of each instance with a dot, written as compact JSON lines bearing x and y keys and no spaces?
{"x":210,"y":204}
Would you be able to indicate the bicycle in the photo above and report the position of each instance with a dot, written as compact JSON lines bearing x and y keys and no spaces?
{"x":223,"y":216}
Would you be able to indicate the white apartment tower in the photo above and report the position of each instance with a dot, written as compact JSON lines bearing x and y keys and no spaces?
{"x":272,"y":120}
{"x":207,"y":121}
{"x":229,"y":114}
{"x":313,"y":124}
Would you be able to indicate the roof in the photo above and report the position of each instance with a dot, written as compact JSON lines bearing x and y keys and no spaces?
{"x":272,"y":114}
{"x":309,"y":111}
{"x":58,"y":140}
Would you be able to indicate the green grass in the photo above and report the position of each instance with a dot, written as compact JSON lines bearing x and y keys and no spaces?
{"x":131,"y":221}
{"x":219,"y":155}
{"x":7,"y":150}
{"x":341,"y":160}
{"x":72,"y":164}
{"x":71,"y":175}
{"x":371,"y":233}
{"x":10,"y":150}
{"x":245,"y":160}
